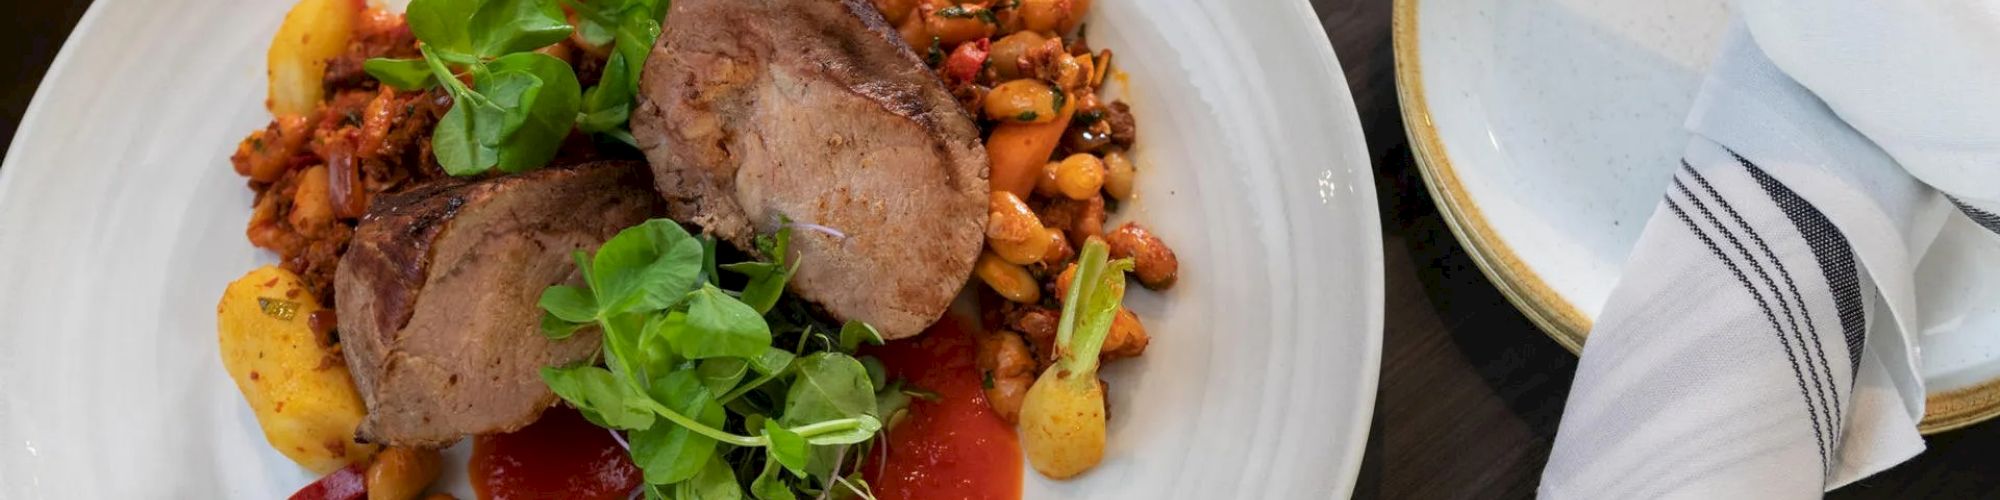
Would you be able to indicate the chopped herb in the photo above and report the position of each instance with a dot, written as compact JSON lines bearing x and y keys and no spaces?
{"x":936,"y":54}
{"x":960,"y":12}
{"x":1090,"y":116}
{"x":1061,"y":98}
{"x":1027,"y":116}
{"x":278,"y":308}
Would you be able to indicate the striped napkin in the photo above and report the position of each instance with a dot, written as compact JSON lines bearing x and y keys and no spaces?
{"x":1760,"y":343}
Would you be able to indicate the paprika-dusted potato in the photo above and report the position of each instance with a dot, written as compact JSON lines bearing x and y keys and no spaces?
{"x":313,"y":33}
{"x":297,"y":384}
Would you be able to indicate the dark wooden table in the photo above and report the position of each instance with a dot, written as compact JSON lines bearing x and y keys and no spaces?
{"x":1471,"y":392}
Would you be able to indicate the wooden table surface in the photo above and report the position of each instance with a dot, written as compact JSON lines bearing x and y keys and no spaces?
{"x":1470,"y":391}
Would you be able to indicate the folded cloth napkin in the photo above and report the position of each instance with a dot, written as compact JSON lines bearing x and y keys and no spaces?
{"x":1760,"y":343}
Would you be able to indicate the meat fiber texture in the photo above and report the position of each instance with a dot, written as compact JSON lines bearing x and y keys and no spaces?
{"x":438,"y":296}
{"x":755,"y":112}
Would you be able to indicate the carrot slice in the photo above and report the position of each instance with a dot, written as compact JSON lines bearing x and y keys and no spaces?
{"x":1018,"y":150}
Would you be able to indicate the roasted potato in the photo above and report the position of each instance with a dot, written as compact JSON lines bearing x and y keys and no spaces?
{"x":296,"y":383}
{"x":313,"y":33}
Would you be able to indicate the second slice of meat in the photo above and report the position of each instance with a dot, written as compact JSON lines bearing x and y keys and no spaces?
{"x":755,"y":111}
{"x":438,"y":296}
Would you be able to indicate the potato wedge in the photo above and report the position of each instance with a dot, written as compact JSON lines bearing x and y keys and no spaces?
{"x":313,"y":33}
{"x":298,"y":386}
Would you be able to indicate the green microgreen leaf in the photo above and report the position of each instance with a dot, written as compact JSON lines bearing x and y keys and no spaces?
{"x":720,"y":326}
{"x":608,"y":107}
{"x":502,"y":27}
{"x":570,"y":303}
{"x":507,"y":92}
{"x":582,"y":261}
{"x":773,"y":361}
{"x":654,"y":9}
{"x":720,"y":375}
{"x":708,"y":267}
{"x":599,"y":395}
{"x":458,"y":149}
{"x":596,"y":31}
{"x":646,"y":267}
{"x":891,"y":402}
{"x":656,"y":352}
{"x":673,"y":453}
{"x":403,"y":74}
{"x":766,"y":285}
{"x":540,"y":114}
{"x":821,"y":460}
{"x":769,"y":366}
{"x":556,"y":329}
{"x":829,"y":386}
{"x":716,"y":481}
{"x":854,"y":333}
{"x":637,"y":30}
{"x":441,"y":23}
{"x":840,"y":432}
{"x":769,"y":485}
{"x":777,"y":246}
{"x":623,"y":352}
{"x":878,"y":375}
{"x":787,"y":447}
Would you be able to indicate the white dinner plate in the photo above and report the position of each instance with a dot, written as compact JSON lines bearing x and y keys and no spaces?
{"x":121,"y":221}
{"x":1548,"y":129}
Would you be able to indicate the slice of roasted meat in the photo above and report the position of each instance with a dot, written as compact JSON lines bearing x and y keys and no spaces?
{"x":757,"y":111}
{"x":438,"y":294}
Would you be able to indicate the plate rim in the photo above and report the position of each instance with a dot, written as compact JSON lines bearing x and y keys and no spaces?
{"x":1374,"y":288}
{"x":1560,"y":319}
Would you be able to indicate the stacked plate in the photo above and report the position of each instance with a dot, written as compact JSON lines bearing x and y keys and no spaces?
{"x":1548,"y":129}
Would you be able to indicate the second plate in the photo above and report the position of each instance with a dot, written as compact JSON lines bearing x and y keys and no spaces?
{"x":1547,"y":131}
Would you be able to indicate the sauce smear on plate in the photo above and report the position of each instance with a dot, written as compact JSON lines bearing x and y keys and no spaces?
{"x":952,"y":448}
{"x":560,"y":456}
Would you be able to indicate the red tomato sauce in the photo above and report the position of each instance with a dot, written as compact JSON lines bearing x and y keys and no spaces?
{"x":560,"y":456}
{"x":955,"y":447}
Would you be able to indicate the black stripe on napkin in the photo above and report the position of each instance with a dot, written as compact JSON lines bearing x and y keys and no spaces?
{"x":1986,"y":219}
{"x":1830,"y":248}
{"x":1819,"y":436}
{"x":1816,"y":349}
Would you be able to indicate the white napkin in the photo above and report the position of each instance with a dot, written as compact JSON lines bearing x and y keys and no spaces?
{"x":1759,"y":344}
